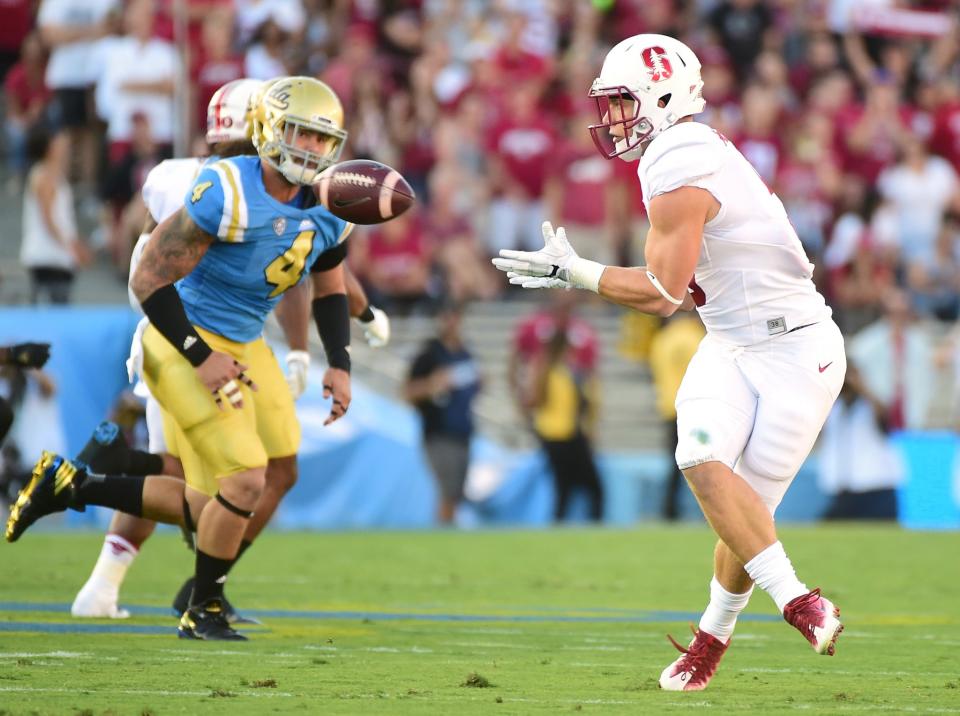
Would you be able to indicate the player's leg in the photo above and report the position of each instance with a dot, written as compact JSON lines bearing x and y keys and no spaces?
{"x":279,"y":431}
{"x":57,"y":484}
{"x":106,"y":451}
{"x":226,"y":442}
{"x":220,"y":527}
{"x":797,"y":385}
{"x":715,"y":415}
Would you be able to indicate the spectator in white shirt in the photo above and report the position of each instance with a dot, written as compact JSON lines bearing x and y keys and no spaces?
{"x":139,"y":75}
{"x":266,"y":57}
{"x":919,"y":188}
{"x":73,"y":30}
{"x":859,"y":467}
{"x":288,"y":15}
{"x":51,"y":249}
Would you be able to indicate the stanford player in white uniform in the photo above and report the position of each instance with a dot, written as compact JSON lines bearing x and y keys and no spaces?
{"x":763,"y":380}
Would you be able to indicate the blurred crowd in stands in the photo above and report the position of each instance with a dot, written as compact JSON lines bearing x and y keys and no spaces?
{"x":848,"y":109}
{"x":852,"y":117}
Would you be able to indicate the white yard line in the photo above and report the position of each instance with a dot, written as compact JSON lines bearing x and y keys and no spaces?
{"x":265,"y":694}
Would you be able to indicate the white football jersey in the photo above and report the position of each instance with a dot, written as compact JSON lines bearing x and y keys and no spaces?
{"x":753,"y":275}
{"x":163,"y":193}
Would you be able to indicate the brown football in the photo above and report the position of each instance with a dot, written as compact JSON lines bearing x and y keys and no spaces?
{"x":362,"y":191}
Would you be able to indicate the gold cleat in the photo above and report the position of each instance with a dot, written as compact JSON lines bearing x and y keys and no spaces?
{"x":52,"y":488}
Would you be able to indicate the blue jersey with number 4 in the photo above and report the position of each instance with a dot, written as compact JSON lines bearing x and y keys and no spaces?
{"x":263,"y":247}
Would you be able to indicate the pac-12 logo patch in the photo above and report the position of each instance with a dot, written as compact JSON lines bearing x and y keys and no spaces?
{"x":656,"y":60}
{"x":279,"y":225}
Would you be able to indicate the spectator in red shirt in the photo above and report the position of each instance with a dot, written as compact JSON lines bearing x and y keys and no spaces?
{"x":720,"y":90}
{"x":809,"y":180}
{"x":534,"y":333}
{"x":216,"y":62}
{"x":820,"y":59}
{"x":198,"y":12}
{"x":759,"y":136}
{"x":579,"y":191}
{"x":945,"y":139}
{"x":465,"y":270}
{"x":870,"y":135}
{"x":27,"y":99}
{"x":394,"y":264}
{"x":520,"y":146}
{"x":358,"y":53}
{"x":514,"y":62}
{"x":17,"y":20}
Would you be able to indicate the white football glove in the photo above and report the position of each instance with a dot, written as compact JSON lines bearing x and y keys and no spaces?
{"x":556,"y":265}
{"x":377,"y":331}
{"x":298,"y":365}
{"x":534,"y":282}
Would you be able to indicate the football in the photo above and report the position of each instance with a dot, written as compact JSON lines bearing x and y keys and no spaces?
{"x":362,"y":191}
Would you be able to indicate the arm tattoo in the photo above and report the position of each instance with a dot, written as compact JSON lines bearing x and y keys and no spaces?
{"x":175,"y":248}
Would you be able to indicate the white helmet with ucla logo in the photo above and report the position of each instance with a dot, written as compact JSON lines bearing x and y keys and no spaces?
{"x":661,"y":76}
{"x":228,"y":113}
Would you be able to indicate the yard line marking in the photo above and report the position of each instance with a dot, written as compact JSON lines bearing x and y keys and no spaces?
{"x":87,"y":691}
{"x":73,"y":627}
{"x":56,"y":654}
{"x":535,"y":618}
{"x":827,"y":670}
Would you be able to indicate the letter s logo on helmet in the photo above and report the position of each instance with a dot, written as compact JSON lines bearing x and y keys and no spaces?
{"x":648,"y":82}
{"x":289,"y":109}
{"x":656,"y":59}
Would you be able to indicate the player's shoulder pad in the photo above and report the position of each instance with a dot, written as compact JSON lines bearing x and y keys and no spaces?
{"x":681,"y":155}
{"x":217,"y":200}
{"x":165,"y":185}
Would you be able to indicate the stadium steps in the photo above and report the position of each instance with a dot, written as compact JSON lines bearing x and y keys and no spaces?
{"x":628,"y":419}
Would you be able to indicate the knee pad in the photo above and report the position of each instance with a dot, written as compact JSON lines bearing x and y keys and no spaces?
{"x":246,"y":514}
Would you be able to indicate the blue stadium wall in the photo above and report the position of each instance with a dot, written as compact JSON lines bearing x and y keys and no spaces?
{"x":368,"y":471}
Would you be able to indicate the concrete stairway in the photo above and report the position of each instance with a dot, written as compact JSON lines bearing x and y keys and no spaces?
{"x":628,"y":418}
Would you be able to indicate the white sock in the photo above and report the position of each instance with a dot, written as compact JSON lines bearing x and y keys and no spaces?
{"x":115,"y":559}
{"x":720,"y":616}
{"x":773,"y":573}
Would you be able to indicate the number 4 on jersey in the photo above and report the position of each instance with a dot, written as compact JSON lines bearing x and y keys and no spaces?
{"x":286,"y":270}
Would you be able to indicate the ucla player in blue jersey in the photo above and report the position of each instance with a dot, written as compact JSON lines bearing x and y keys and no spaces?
{"x":249,"y":231}
{"x":229,"y":133}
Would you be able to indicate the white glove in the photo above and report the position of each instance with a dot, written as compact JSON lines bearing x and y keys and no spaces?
{"x":555,"y":261}
{"x":298,"y":364}
{"x":533,"y":282}
{"x":377,"y":331}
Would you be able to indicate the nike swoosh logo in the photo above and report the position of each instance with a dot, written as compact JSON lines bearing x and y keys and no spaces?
{"x":824,"y":367}
{"x":341,"y":204}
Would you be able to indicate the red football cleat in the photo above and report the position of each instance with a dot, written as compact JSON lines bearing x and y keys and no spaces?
{"x":817,"y":619}
{"x":693,"y":670}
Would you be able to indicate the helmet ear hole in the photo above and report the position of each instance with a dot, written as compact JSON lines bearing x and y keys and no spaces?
{"x":664,"y":100}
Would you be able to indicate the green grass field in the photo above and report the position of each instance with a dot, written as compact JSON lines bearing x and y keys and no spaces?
{"x":553,"y":621}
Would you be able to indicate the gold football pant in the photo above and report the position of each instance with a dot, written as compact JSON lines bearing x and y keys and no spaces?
{"x":210,"y":442}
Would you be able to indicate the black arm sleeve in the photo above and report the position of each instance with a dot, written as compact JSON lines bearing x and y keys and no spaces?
{"x":332,"y":316}
{"x":331,"y":258}
{"x":165,"y":310}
